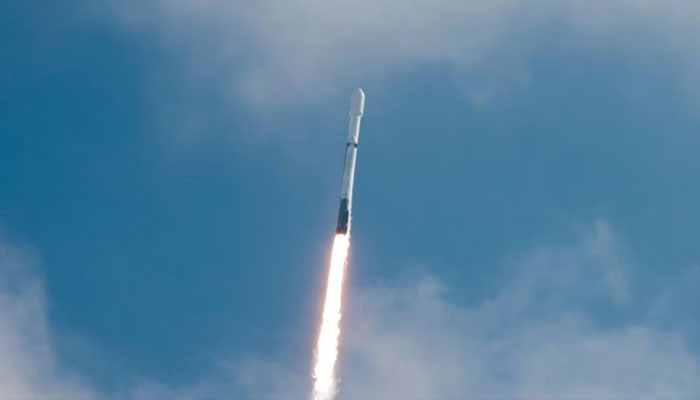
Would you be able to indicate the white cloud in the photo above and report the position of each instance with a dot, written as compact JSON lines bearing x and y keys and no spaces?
{"x":28,"y":368}
{"x":551,"y":331}
{"x":270,"y":52}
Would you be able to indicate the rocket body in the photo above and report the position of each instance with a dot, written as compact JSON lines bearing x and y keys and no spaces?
{"x":357,"y":107}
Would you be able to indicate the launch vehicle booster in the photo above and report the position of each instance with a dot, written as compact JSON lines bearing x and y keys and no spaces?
{"x":357,"y":107}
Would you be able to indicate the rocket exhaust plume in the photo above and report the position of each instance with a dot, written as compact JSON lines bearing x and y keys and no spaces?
{"x":324,"y":372}
{"x":325,"y":385}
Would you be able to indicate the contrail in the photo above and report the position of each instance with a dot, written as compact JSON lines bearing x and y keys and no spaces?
{"x":325,"y":385}
{"x":324,"y":374}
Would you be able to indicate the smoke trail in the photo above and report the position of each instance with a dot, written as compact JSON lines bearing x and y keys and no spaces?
{"x":325,"y":383}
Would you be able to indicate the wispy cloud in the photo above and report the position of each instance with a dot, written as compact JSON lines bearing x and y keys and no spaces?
{"x":551,"y":332}
{"x":270,"y":52}
{"x":28,"y":366}
{"x":557,"y":328}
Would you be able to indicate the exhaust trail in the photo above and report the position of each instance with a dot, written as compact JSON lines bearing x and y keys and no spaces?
{"x":327,"y":347}
{"x":325,"y":385}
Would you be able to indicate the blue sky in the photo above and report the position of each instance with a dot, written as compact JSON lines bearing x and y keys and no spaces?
{"x":525,"y":218}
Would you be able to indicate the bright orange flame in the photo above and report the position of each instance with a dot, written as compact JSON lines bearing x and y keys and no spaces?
{"x":325,"y":385}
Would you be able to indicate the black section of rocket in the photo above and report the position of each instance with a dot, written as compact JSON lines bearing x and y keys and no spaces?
{"x":343,"y":218}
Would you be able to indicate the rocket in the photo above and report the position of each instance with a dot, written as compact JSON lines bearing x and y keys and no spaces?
{"x":357,"y":107}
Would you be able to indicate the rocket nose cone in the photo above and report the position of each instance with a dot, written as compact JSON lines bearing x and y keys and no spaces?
{"x":357,"y":102}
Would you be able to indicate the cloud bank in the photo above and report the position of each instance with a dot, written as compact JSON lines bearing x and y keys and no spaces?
{"x":558,"y":328}
{"x":270,"y":52}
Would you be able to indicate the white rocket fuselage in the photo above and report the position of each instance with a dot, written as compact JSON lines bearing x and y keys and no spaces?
{"x":357,"y":107}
